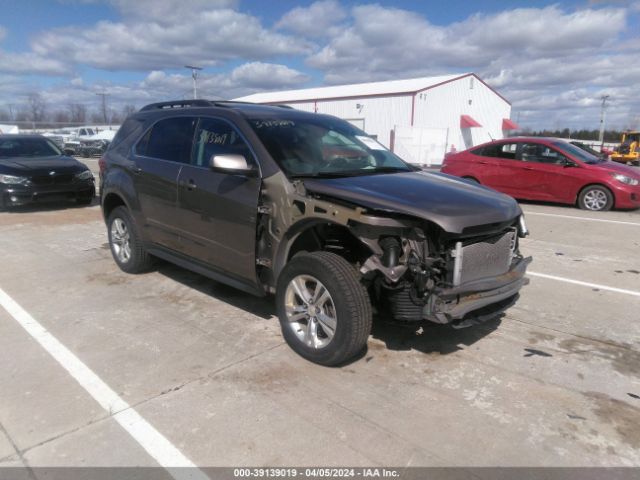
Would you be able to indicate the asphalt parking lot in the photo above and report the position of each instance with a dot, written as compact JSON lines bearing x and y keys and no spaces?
{"x":555,"y":382}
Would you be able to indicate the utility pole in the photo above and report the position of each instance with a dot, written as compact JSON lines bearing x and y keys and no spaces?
{"x":194,"y":75}
{"x":602,"y":119}
{"x":104,"y":96}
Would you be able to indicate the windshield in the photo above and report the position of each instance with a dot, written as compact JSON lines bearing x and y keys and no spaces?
{"x":28,"y":147}
{"x":587,"y":148}
{"x":324,"y":147}
{"x":577,"y":152}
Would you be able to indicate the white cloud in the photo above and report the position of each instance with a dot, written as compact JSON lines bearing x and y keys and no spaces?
{"x":267,"y":76}
{"x":553,"y":63}
{"x":168,"y":11}
{"x":205,"y":36}
{"x":319,"y":19}
{"x":546,"y":60}
{"x":31,"y":64}
{"x":28,"y":63}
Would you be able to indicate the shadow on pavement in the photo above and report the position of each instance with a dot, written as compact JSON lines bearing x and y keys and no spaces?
{"x":429,"y":337}
{"x":262,"y":307}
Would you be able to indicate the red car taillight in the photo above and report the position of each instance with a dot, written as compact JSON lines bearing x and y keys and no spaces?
{"x":102,"y":164}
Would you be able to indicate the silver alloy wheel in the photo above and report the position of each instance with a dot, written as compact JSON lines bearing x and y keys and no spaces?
{"x":310,"y":310}
{"x":595,"y":199}
{"x":120,"y":240}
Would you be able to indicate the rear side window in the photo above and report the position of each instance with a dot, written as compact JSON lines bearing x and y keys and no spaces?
{"x":218,"y":137}
{"x":169,"y":139}
{"x":499,"y":150}
{"x":128,"y":128}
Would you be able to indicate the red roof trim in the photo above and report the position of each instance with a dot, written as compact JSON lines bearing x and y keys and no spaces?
{"x":467,"y":121}
{"x":508,"y":124}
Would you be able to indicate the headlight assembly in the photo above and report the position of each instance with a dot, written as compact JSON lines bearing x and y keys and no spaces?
{"x":624,"y":179}
{"x":86,"y":175}
{"x":13,"y":180}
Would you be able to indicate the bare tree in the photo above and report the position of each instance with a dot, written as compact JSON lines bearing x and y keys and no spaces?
{"x":60,"y":116}
{"x":78,"y":112}
{"x":97,"y":117}
{"x":37,"y":107}
{"x":128,"y":110}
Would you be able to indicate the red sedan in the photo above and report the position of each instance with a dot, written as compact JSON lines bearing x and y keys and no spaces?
{"x":550,"y":170}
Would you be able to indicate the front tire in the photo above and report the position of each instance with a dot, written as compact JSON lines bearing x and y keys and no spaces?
{"x":324,"y":310}
{"x":126,"y":246}
{"x":595,"y":198}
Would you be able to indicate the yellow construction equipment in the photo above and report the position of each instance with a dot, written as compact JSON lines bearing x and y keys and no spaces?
{"x":629,"y":150}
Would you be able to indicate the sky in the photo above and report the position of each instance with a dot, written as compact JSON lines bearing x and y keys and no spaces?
{"x":553,"y":60}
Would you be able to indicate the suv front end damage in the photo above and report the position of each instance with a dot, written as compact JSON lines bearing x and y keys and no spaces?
{"x":448,"y":280}
{"x":413,"y":269}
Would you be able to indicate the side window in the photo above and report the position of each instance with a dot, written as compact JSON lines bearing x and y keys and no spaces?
{"x":500,"y":150}
{"x":507,"y":150}
{"x":535,"y":152}
{"x":169,"y":139}
{"x":218,"y":137}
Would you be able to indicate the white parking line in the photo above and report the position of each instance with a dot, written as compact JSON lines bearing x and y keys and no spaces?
{"x":156,"y":445}
{"x":586,"y":219}
{"x":585,"y":284}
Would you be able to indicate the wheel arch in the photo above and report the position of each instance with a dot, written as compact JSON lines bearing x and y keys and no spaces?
{"x":111,"y":201}
{"x":595,"y":184}
{"x":302,"y":236}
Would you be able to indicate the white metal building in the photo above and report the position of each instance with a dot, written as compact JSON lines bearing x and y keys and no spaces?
{"x":420,"y":119}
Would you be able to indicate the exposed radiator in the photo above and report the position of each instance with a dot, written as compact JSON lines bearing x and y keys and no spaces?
{"x":488,"y":258}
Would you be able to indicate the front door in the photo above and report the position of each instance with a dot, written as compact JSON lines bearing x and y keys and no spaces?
{"x":218,"y":210}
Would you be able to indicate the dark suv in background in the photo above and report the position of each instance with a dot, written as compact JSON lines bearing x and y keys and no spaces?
{"x":273,"y":200}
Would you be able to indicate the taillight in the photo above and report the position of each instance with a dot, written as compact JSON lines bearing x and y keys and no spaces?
{"x":102,"y":164}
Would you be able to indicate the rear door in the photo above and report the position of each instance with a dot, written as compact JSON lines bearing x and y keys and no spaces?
{"x":158,"y":158}
{"x":495,"y":166}
{"x":218,"y":210}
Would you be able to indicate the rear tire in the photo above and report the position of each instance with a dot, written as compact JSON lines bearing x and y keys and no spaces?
{"x":332,"y":324}
{"x":595,"y":198}
{"x":126,"y":246}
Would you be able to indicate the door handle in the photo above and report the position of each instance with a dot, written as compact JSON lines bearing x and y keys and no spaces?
{"x":191,"y":185}
{"x":482,"y":163}
{"x":137,"y":170}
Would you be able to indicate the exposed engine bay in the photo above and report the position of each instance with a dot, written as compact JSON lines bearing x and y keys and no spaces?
{"x":414,"y":270}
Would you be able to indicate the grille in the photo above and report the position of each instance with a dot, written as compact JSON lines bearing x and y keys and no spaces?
{"x":488,"y":258}
{"x":52,"y":179}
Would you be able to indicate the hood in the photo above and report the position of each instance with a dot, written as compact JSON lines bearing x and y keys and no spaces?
{"x":34,"y":166}
{"x":448,"y":201}
{"x":616,"y":167}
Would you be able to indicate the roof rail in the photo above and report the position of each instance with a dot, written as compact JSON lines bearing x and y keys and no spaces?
{"x":177,"y":104}
{"x":230,"y":103}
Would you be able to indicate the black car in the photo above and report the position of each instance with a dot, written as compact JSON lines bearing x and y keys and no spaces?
{"x":269,"y":199}
{"x":34,"y":169}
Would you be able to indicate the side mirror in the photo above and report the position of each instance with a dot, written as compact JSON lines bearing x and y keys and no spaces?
{"x":569,"y":164}
{"x":232,"y":164}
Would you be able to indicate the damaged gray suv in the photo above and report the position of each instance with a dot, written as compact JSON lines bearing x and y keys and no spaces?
{"x":273,"y":200}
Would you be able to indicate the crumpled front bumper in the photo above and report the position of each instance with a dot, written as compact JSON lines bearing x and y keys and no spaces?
{"x":477,"y":301}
